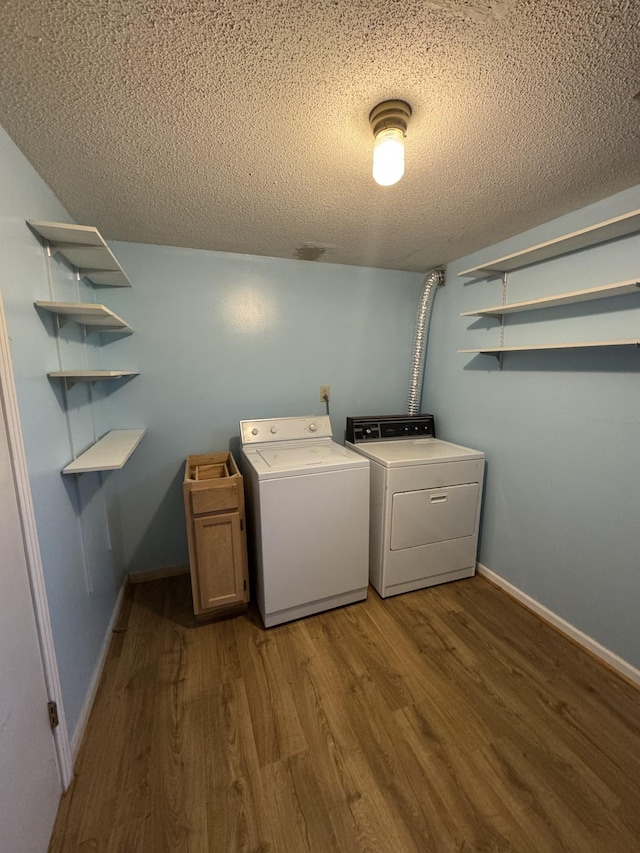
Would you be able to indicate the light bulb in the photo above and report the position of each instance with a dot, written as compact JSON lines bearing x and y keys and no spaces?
{"x":388,"y":157}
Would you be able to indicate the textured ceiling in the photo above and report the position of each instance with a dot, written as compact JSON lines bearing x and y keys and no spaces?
{"x":242,"y":125}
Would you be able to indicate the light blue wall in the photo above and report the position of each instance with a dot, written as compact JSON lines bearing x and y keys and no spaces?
{"x":560,"y":429}
{"x":218,"y":338}
{"x":82,"y":579}
{"x":223,"y":337}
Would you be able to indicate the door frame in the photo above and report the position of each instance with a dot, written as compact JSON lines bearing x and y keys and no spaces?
{"x":17,"y":454}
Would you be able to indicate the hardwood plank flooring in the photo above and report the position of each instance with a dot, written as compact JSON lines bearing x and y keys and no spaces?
{"x":448,"y":719}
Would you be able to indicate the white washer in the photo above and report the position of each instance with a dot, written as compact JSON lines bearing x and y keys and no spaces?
{"x":308,"y":504}
{"x":425,"y":502}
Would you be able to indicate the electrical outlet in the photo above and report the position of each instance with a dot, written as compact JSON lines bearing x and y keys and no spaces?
{"x":324,"y":393}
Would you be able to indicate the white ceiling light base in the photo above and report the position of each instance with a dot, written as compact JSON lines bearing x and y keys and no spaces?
{"x":389,"y":121}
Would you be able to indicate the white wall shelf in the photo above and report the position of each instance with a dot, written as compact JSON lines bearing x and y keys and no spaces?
{"x":71,"y":377}
{"x":85,"y":249}
{"x":108,"y":454}
{"x":530,"y":348}
{"x":93,"y":315}
{"x":605,"y":291}
{"x":610,"y":229}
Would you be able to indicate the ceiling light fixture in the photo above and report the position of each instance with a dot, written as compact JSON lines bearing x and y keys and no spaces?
{"x":389,"y":122}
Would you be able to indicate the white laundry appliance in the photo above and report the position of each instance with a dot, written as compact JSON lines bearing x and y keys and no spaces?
{"x":425,"y":502}
{"x":308,"y":507}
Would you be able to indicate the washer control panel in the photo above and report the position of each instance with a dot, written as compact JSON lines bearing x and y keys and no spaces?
{"x":285,"y":429}
{"x":383,"y":427}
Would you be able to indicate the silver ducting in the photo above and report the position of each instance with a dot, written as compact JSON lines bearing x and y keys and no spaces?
{"x":433,"y":280}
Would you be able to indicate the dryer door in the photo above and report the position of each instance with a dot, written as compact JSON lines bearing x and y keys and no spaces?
{"x":433,"y":515}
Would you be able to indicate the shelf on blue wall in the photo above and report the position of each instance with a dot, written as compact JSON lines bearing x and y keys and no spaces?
{"x":98,"y":317}
{"x":578,"y":345}
{"x":610,"y":229}
{"x":109,"y":454}
{"x":85,"y":249}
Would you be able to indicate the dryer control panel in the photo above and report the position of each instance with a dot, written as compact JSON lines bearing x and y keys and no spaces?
{"x":382,"y":427}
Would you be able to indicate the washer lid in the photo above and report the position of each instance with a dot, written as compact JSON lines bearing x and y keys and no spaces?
{"x":419,"y":451}
{"x":287,"y":459}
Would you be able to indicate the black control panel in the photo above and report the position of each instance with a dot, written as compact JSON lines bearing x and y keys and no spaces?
{"x":381,"y":427}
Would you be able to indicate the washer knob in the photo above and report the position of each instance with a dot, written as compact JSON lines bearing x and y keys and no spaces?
{"x":254,"y":431}
{"x":274,"y":429}
{"x":313,"y":426}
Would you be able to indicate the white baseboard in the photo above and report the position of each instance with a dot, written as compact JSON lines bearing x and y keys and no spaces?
{"x":152,"y":574}
{"x":612,"y":660}
{"x":157,"y":574}
{"x":81,"y":725}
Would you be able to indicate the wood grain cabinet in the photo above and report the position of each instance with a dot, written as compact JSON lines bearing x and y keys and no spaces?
{"x":215,"y":515}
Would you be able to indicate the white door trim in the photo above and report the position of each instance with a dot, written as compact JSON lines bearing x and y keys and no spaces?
{"x":9,"y":400}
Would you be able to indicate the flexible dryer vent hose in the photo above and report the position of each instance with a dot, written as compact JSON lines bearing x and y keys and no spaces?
{"x":431,"y":283}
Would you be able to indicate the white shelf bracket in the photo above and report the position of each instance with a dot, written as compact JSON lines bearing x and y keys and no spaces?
{"x":54,"y":248}
{"x":69,"y":382}
{"x":504,"y":302}
{"x":498,"y":358}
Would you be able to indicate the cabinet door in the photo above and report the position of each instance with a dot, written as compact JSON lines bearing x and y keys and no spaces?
{"x":219,"y":556}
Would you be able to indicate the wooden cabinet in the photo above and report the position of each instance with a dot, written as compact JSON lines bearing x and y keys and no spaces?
{"x":215,"y":515}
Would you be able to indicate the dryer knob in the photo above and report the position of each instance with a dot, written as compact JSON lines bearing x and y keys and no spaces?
{"x":274,"y":429}
{"x":313,"y":426}
{"x":254,"y":431}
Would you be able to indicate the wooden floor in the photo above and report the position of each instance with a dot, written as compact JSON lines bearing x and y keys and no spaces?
{"x":449,"y":719}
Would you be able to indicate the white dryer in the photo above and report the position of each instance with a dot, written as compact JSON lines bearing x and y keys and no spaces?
{"x":425,"y":502}
{"x":308,"y":508}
